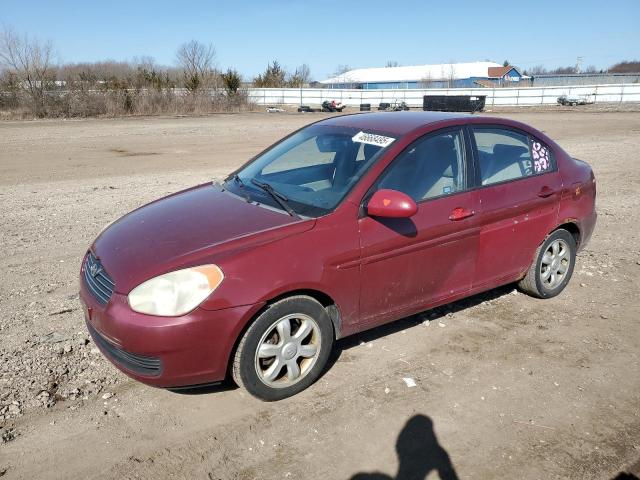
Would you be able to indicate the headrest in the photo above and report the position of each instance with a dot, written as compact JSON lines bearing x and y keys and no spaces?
{"x":441,"y":155}
{"x":502,"y":150}
{"x":441,"y":143}
{"x":448,"y":172}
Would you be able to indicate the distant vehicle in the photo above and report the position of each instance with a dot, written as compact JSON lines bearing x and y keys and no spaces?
{"x":396,"y":106}
{"x":332,"y":106}
{"x":344,"y":225}
{"x":400,"y":106}
{"x":574,"y":100}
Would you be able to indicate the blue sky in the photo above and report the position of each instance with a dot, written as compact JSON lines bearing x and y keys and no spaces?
{"x":248,"y":34}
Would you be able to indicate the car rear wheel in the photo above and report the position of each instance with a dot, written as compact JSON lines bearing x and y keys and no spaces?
{"x":285,"y":349}
{"x":552,"y":267}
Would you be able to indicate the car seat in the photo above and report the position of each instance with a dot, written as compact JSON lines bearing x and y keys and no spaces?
{"x":506,"y":163}
{"x":430,"y":169}
{"x":439,"y":167}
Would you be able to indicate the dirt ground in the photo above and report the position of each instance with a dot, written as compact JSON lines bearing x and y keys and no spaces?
{"x":507,"y":386}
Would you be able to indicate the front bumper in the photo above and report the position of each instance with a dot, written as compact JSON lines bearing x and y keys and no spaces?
{"x":165,"y":351}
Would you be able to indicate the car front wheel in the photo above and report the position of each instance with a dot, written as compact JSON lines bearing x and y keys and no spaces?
{"x":552,"y":267}
{"x":285,"y":349}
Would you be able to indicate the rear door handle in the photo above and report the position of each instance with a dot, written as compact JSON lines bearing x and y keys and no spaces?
{"x":460,"y":213}
{"x":546,"y":192}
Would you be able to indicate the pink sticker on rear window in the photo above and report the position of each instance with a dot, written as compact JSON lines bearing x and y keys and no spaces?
{"x":541,"y":160}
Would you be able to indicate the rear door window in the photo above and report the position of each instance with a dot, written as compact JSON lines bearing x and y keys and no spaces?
{"x":505,"y":154}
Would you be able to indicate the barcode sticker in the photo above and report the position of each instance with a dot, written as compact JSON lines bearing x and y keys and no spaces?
{"x":373,"y":139}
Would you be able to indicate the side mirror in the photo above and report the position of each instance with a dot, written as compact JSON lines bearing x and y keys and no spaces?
{"x":391,"y":204}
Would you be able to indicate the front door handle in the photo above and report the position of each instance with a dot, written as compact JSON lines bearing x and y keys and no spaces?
{"x":546,"y":192}
{"x":460,"y":213}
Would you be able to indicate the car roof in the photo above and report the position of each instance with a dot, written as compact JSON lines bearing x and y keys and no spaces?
{"x":399,"y":123}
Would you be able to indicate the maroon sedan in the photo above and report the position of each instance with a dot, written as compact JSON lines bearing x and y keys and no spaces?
{"x":344,"y":225}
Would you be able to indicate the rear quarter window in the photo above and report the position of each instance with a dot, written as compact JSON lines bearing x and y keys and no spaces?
{"x":541,"y":156}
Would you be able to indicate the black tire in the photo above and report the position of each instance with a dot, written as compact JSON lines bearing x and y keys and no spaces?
{"x":533,"y":282}
{"x":245,"y":362}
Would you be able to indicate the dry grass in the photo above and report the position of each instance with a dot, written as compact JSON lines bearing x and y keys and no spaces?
{"x":122,"y":102}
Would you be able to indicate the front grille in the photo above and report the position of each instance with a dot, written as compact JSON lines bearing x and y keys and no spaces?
{"x":140,"y":364}
{"x":98,"y":282}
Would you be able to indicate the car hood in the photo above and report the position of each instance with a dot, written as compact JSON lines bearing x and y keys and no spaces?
{"x":188,"y":228}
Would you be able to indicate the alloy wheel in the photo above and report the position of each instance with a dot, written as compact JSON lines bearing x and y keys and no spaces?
{"x":555,"y":264}
{"x":288,"y":350}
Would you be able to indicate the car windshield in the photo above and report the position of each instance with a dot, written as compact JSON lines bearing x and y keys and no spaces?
{"x":311,"y":171}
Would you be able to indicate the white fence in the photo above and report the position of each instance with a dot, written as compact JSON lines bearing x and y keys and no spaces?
{"x":619,"y":93}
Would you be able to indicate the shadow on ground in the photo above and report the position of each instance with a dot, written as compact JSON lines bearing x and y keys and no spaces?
{"x":368,"y":336}
{"x":630,"y":473}
{"x":419,"y":454}
{"x":433,"y":314}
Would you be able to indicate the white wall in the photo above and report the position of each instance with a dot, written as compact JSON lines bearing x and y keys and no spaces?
{"x":413,"y":97}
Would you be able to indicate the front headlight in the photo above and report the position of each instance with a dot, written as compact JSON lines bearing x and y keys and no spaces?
{"x":176,"y":293}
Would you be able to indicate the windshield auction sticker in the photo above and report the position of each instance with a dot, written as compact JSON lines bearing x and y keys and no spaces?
{"x":373,"y":139}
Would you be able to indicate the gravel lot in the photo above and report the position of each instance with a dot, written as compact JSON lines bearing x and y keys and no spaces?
{"x":507,"y":386}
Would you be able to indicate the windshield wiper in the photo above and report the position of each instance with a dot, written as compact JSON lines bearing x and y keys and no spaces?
{"x":278,"y":197}
{"x":236,"y":178}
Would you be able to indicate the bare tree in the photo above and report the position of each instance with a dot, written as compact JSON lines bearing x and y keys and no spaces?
{"x":300,"y":77}
{"x":145,"y":61}
{"x":630,"y":66}
{"x":30,"y":63}
{"x":33,"y":84}
{"x":197,"y":63}
{"x":341,"y":69}
{"x":451,"y":75}
{"x":391,"y":64}
{"x":426,"y":81}
{"x":564,"y":70}
{"x":343,"y":73}
{"x":538,"y":70}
